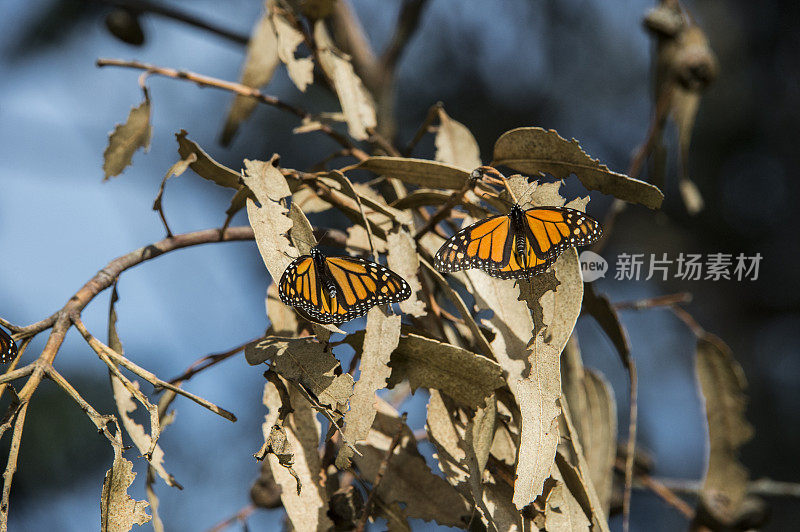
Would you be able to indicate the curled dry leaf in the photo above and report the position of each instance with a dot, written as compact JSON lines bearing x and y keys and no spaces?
{"x":306,"y":362}
{"x":594,"y":413}
{"x":600,"y":308}
{"x":126,"y":404}
{"x":308,"y":508}
{"x":408,"y":479}
{"x":462,"y":448}
{"x":533,"y":150}
{"x":127,"y":138}
{"x":466,"y":377}
{"x":420,"y":172}
{"x":563,"y":512}
{"x":118,"y":511}
{"x":174,"y":171}
{"x":358,"y":107}
{"x":455,"y":144}
{"x":204,"y":165}
{"x":301,"y":70}
{"x":282,"y":319}
{"x":380,"y":339}
{"x":404,"y":261}
{"x":723,"y":386}
{"x":259,"y":66}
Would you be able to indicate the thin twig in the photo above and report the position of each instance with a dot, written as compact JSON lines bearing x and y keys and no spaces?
{"x":207,"y":361}
{"x":11,"y":465}
{"x":100,"y":421}
{"x":444,"y":210}
{"x":241,"y":515}
{"x":689,"y":320}
{"x":765,"y":487}
{"x":238,"y":88}
{"x":407,"y":24}
{"x":384,"y":465}
{"x":430,"y":118}
{"x":652,"y":302}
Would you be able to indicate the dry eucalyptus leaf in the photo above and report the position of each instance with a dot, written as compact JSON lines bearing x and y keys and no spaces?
{"x":307,"y":510}
{"x":307,"y":200}
{"x":418,"y":172}
{"x":269,"y":220}
{"x":408,"y":479}
{"x":126,"y":139}
{"x":278,"y":445}
{"x":301,"y":70}
{"x":690,"y":194}
{"x":205,"y":166}
{"x":356,"y":102}
{"x":381,"y":338}
{"x":126,"y":404}
{"x":429,"y":197}
{"x":305,"y":361}
{"x":600,"y":308}
{"x":455,"y":144}
{"x":461,"y":449}
{"x":532,"y":150}
{"x":259,"y":66}
{"x":466,"y":377}
{"x":404,"y":261}
{"x":357,"y":241}
{"x":723,"y":385}
{"x":548,"y":308}
{"x":563,"y":512}
{"x":282,"y":319}
{"x":118,"y":511}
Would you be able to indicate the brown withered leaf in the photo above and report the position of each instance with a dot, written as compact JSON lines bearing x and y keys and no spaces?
{"x":301,"y":70}
{"x":356,"y":102}
{"x":118,"y":511}
{"x":127,"y":138}
{"x":420,"y":172}
{"x":307,"y":200}
{"x":308,"y":509}
{"x":305,"y":361}
{"x":404,"y":261}
{"x":532,"y":150}
{"x":269,"y":220}
{"x":563,"y":512}
{"x":260,"y":63}
{"x":466,"y":377}
{"x":381,"y":338}
{"x":578,"y":475}
{"x":723,"y":385}
{"x":594,"y":412}
{"x":455,"y":144}
{"x":408,"y":479}
{"x":205,"y":166}
{"x":428,"y":197}
{"x":126,"y":404}
{"x":462,"y":447}
{"x":600,"y":308}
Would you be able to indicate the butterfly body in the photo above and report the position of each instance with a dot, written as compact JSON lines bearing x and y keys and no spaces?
{"x":517,"y":245}
{"x":338,"y":289}
{"x":8,"y":349}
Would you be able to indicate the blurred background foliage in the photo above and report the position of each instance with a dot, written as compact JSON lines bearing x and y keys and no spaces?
{"x":580,"y":67}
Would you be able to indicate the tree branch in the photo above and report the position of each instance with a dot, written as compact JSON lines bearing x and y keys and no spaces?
{"x":238,"y":88}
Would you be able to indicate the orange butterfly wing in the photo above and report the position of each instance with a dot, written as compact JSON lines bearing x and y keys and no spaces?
{"x":360,"y":285}
{"x":486,"y":244}
{"x":554,"y":229}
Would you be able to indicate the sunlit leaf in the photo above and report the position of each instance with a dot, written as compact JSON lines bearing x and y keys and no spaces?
{"x":118,"y":511}
{"x":127,"y":138}
{"x":205,"y":166}
{"x":455,"y":144}
{"x":381,"y":338}
{"x":403,"y":260}
{"x":301,"y":70}
{"x":305,"y":361}
{"x":306,"y":508}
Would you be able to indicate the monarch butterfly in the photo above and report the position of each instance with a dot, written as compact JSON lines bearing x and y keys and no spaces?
{"x":338,"y":289}
{"x":517,"y":245}
{"x":8,"y":349}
